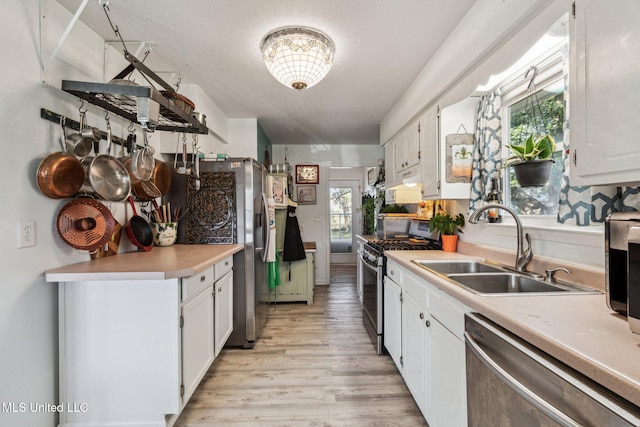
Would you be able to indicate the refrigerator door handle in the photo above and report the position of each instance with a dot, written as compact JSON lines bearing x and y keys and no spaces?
{"x":264,"y":214}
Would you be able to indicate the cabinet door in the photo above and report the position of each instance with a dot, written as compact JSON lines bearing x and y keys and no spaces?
{"x":197,"y":340}
{"x":429,"y":139}
{"x":223,"y":311}
{"x":399,"y":153}
{"x":412,"y":145}
{"x":447,"y":378}
{"x":393,"y":320}
{"x":389,"y":165}
{"x":604,"y":91}
{"x":415,"y":344}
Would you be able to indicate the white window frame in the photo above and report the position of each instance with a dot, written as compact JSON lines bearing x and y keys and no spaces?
{"x":550,"y":71}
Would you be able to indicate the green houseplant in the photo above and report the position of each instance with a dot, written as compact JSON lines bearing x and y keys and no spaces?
{"x":531,"y":162}
{"x":449,"y":227}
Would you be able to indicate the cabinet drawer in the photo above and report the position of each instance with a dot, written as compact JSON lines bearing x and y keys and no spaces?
{"x":394,"y":271}
{"x":191,"y":286}
{"x":223,"y":267}
{"x":449,"y":311}
{"x":416,"y":287}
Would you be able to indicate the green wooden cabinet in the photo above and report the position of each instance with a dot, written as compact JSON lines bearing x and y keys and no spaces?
{"x":297,"y":280}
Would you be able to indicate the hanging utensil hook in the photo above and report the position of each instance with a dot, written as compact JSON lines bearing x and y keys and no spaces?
{"x":532,"y":82}
{"x":131,"y":128}
{"x":80,"y":110}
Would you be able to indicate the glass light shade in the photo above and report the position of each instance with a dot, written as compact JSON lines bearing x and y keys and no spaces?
{"x":298,"y":57}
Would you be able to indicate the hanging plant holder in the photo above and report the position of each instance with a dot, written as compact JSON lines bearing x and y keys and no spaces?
{"x":534,"y":173}
{"x":531,"y":160}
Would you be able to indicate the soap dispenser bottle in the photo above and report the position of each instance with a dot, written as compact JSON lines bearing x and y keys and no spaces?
{"x":494,"y":197}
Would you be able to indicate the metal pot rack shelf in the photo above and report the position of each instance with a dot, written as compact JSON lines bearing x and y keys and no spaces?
{"x":132,"y":101}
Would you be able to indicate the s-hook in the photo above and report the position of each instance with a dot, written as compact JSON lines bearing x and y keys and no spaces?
{"x":532,"y":82}
{"x":115,"y":29}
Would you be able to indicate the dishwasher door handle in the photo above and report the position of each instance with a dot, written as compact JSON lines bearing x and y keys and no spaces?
{"x":537,"y":401}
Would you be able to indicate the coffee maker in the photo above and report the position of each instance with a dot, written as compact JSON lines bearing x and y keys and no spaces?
{"x":622,"y":265}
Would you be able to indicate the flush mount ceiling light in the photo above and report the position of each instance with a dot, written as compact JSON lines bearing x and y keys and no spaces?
{"x":298,"y":57}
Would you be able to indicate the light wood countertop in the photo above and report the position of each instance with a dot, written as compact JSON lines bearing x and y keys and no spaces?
{"x":168,"y":262}
{"x":578,"y":330}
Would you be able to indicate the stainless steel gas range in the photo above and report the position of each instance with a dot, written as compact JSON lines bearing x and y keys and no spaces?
{"x":373,"y":267}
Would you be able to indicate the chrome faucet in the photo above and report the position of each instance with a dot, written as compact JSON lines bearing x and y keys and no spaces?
{"x":523,"y":257}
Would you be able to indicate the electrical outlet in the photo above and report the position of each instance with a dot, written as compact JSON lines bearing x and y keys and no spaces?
{"x":26,"y":234}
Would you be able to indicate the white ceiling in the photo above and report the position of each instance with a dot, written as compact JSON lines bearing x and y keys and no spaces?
{"x":381,"y":45}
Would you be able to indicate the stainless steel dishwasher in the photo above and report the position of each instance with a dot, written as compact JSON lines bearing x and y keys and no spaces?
{"x":510,"y":382}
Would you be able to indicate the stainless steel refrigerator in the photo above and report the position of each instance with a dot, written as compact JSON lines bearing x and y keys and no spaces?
{"x":225,"y":203}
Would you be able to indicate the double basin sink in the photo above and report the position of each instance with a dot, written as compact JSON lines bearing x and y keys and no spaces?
{"x":485,"y":278}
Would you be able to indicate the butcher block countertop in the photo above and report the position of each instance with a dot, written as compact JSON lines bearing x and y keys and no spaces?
{"x":578,"y":330}
{"x":161,"y":263}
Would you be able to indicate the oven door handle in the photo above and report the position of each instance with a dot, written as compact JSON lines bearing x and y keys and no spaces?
{"x":366,"y":264}
{"x":515,"y":385}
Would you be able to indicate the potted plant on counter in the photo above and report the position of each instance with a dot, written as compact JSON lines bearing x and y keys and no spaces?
{"x":449,"y":227}
{"x":532,"y":161}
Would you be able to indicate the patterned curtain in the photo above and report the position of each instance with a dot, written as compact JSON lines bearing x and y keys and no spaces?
{"x":585,"y":205}
{"x":487,"y":149}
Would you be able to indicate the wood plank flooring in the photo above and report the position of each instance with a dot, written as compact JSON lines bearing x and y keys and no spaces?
{"x":313,"y":366}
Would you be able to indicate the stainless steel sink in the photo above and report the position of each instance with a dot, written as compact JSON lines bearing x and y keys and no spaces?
{"x":515,"y":284}
{"x":458,"y":267}
{"x":503,"y":283}
{"x":485,"y":278}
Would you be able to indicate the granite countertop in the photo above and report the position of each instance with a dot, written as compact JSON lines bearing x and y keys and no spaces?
{"x":579,"y":330}
{"x":160,"y":263}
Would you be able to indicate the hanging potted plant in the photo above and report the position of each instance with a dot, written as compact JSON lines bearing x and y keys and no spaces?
{"x":449,"y":227}
{"x":532,"y":161}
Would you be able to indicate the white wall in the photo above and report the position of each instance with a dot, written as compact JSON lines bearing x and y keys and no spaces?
{"x":325,"y":156}
{"x":28,"y":305}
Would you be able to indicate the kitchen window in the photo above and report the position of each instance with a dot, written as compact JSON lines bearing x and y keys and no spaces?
{"x":539,"y":201}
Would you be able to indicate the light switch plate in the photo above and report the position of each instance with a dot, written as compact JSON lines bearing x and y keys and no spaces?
{"x":26,"y":234}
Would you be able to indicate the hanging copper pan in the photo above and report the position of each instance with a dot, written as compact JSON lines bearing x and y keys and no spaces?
{"x":85,"y":224}
{"x":157,"y":185}
{"x":60,"y":174}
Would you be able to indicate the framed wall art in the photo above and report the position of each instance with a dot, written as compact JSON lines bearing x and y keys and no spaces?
{"x":371,"y":176}
{"x":307,"y":174}
{"x":306,"y":195}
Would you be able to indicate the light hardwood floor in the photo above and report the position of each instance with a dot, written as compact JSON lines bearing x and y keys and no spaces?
{"x":313,"y":366}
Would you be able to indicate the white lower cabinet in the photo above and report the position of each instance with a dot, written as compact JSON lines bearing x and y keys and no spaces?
{"x":446,"y":378}
{"x":223,"y":289}
{"x":132,"y":352}
{"x":415,"y":348}
{"x":427,"y":327}
{"x":393,"y":320}
{"x":197,"y":339}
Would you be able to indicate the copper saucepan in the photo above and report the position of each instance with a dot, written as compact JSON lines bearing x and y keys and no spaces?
{"x":157,"y":185}
{"x":60,"y":174}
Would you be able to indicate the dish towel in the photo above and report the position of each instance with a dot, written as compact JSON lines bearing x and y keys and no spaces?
{"x":272,"y":252}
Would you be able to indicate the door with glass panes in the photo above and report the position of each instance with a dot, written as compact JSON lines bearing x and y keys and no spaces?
{"x":344,"y":222}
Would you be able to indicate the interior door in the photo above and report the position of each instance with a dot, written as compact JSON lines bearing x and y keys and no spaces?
{"x":344,"y":223}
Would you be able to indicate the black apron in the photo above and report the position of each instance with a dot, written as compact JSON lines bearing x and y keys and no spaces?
{"x":293,"y":247}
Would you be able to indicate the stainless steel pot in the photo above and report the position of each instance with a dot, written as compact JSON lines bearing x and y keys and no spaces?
{"x":109,"y":178}
{"x":81,"y":144}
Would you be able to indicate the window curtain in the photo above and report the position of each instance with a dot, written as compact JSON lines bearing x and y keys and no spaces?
{"x":487,"y":149}
{"x":583,"y":205}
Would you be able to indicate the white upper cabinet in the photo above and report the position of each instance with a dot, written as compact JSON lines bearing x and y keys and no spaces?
{"x":389,"y":165}
{"x":406,"y":153}
{"x":605,"y":88}
{"x":446,"y":162}
{"x":429,"y":131}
